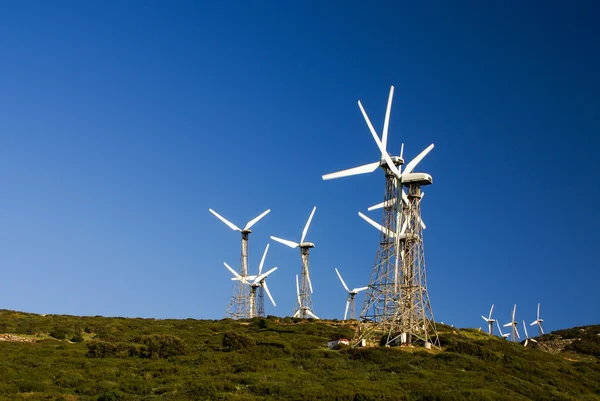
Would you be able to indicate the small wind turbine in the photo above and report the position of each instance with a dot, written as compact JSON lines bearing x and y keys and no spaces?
{"x":513,"y":323}
{"x":351,"y":294}
{"x":538,"y":321}
{"x":304,"y":290}
{"x":255,"y":282}
{"x":527,"y":338}
{"x":490,"y":321}
{"x":500,"y":331}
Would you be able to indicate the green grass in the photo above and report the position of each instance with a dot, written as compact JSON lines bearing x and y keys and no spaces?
{"x":274,"y":359}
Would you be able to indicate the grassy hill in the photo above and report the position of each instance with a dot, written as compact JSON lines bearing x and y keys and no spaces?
{"x":58,"y":357}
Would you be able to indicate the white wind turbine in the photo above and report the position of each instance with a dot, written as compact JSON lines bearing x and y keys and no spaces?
{"x":490,"y":321}
{"x":500,"y":331}
{"x":513,"y":324}
{"x":351,"y":294}
{"x":304,"y":308}
{"x":386,"y":159}
{"x":255,"y":282}
{"x":527,"y":338}
{"x":538,"y":321}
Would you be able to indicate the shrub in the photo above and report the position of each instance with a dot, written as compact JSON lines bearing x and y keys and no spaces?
{"x":235,"y":341}
{"x":77,"y":338}
{"x":60,"y":333}
{"x":159,"y":346}
{"x":102,"y":349}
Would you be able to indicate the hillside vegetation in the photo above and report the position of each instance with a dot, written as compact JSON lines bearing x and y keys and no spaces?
{"x":57,"y":357}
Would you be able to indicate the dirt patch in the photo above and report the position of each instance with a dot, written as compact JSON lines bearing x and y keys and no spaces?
{"x":16,"y":339}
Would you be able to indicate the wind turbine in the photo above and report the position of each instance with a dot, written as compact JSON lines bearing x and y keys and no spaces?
{"x":490,"y":321}
{"x":351,"y":294}
{"x":255,"y":282}
{"x":527,"y":338}
{"x":500,"y":331}
{"x":513,"y":324}
{"x":538,"y":321}
{"x":305,"y":289}
{"x":303,"y":313}
{"x":239,"y":306}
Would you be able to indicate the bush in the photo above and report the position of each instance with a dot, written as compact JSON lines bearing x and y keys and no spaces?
{"x":77,"y":339}
{"x":103,"y":349}
{"x":158,"y":346}
{"x":60,"y":333}
{"x":235,"y":341}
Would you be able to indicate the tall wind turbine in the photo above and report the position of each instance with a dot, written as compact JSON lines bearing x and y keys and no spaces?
{"x":304,"y":308}
{"x":513,"y":325}
{"x":490,"y":321}
{"x":538,"y":321}
{"x":351,"y":294}
{"x":239,"y":306}
{"x":385,"y":312}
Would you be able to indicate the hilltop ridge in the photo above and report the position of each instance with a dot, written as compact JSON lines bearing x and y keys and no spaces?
{"x":95,"y":358}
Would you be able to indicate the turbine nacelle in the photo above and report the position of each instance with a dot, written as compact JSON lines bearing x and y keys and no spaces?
{"x":306,"y":245}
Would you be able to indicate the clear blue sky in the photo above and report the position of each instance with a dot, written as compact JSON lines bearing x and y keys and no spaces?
{"x":121,"y":123}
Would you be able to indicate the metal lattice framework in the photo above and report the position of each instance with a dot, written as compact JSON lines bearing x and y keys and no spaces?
{"x":241,"y":303}
{"x":304,"y":306}
{"x":379,"y":309}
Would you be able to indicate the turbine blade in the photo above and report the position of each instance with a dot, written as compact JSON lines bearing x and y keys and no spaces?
{"x":388,"y":203}
{"x":525,"y":329}
{"x":491,"y":310}
{"x":376,"y":225}
{"x":538,"y":315}
{"x":232,"y":271}
{"x":402,"y":150}
{"x":298,"y":292}
{"x":256,"y":219}
{"x":499,"y":329}
{"x":384,"y":152}
{"x":291,"y":244}
{"x":485,"y":318}
{"x":309,"y":282}
{"x":404,"y":197}
{"x":307,"y":224}
{"x":542,"y":330}
{"x":309,"y":313}
{"x":413,"y":163}
{"x":534,"y":323}
{"x":347,"y":305}
{"x":507,"y":324}
{"x":262,"y":261}
{"x":514,"y":311}
{"x":386,"y":123}
{"x":341,"y":279}
{"x":517,"y":332}
{"x":526,"y":342}
{"x":364,"y":169}
{"x":422,"y":223}
{"x":258,"y":279}
{"x":534,"y":340}
{"x":268,"y":293}
{"x":224,"y":220}
{"x":359,"y":289}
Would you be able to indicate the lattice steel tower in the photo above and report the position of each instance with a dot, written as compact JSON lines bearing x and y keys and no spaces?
{"x":304,"y":308}
{"x":415,"y":316}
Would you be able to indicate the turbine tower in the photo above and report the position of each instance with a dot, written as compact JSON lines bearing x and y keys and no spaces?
{"x":239,"y":305}
{"x":304,"y":309}
{"x":396,"y":305}
{"x":490,"y":322}
{"x":351,"y":294}
{"x":538,"y":321}
{"x":514,"y":334}
{"x":256,"y":285}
